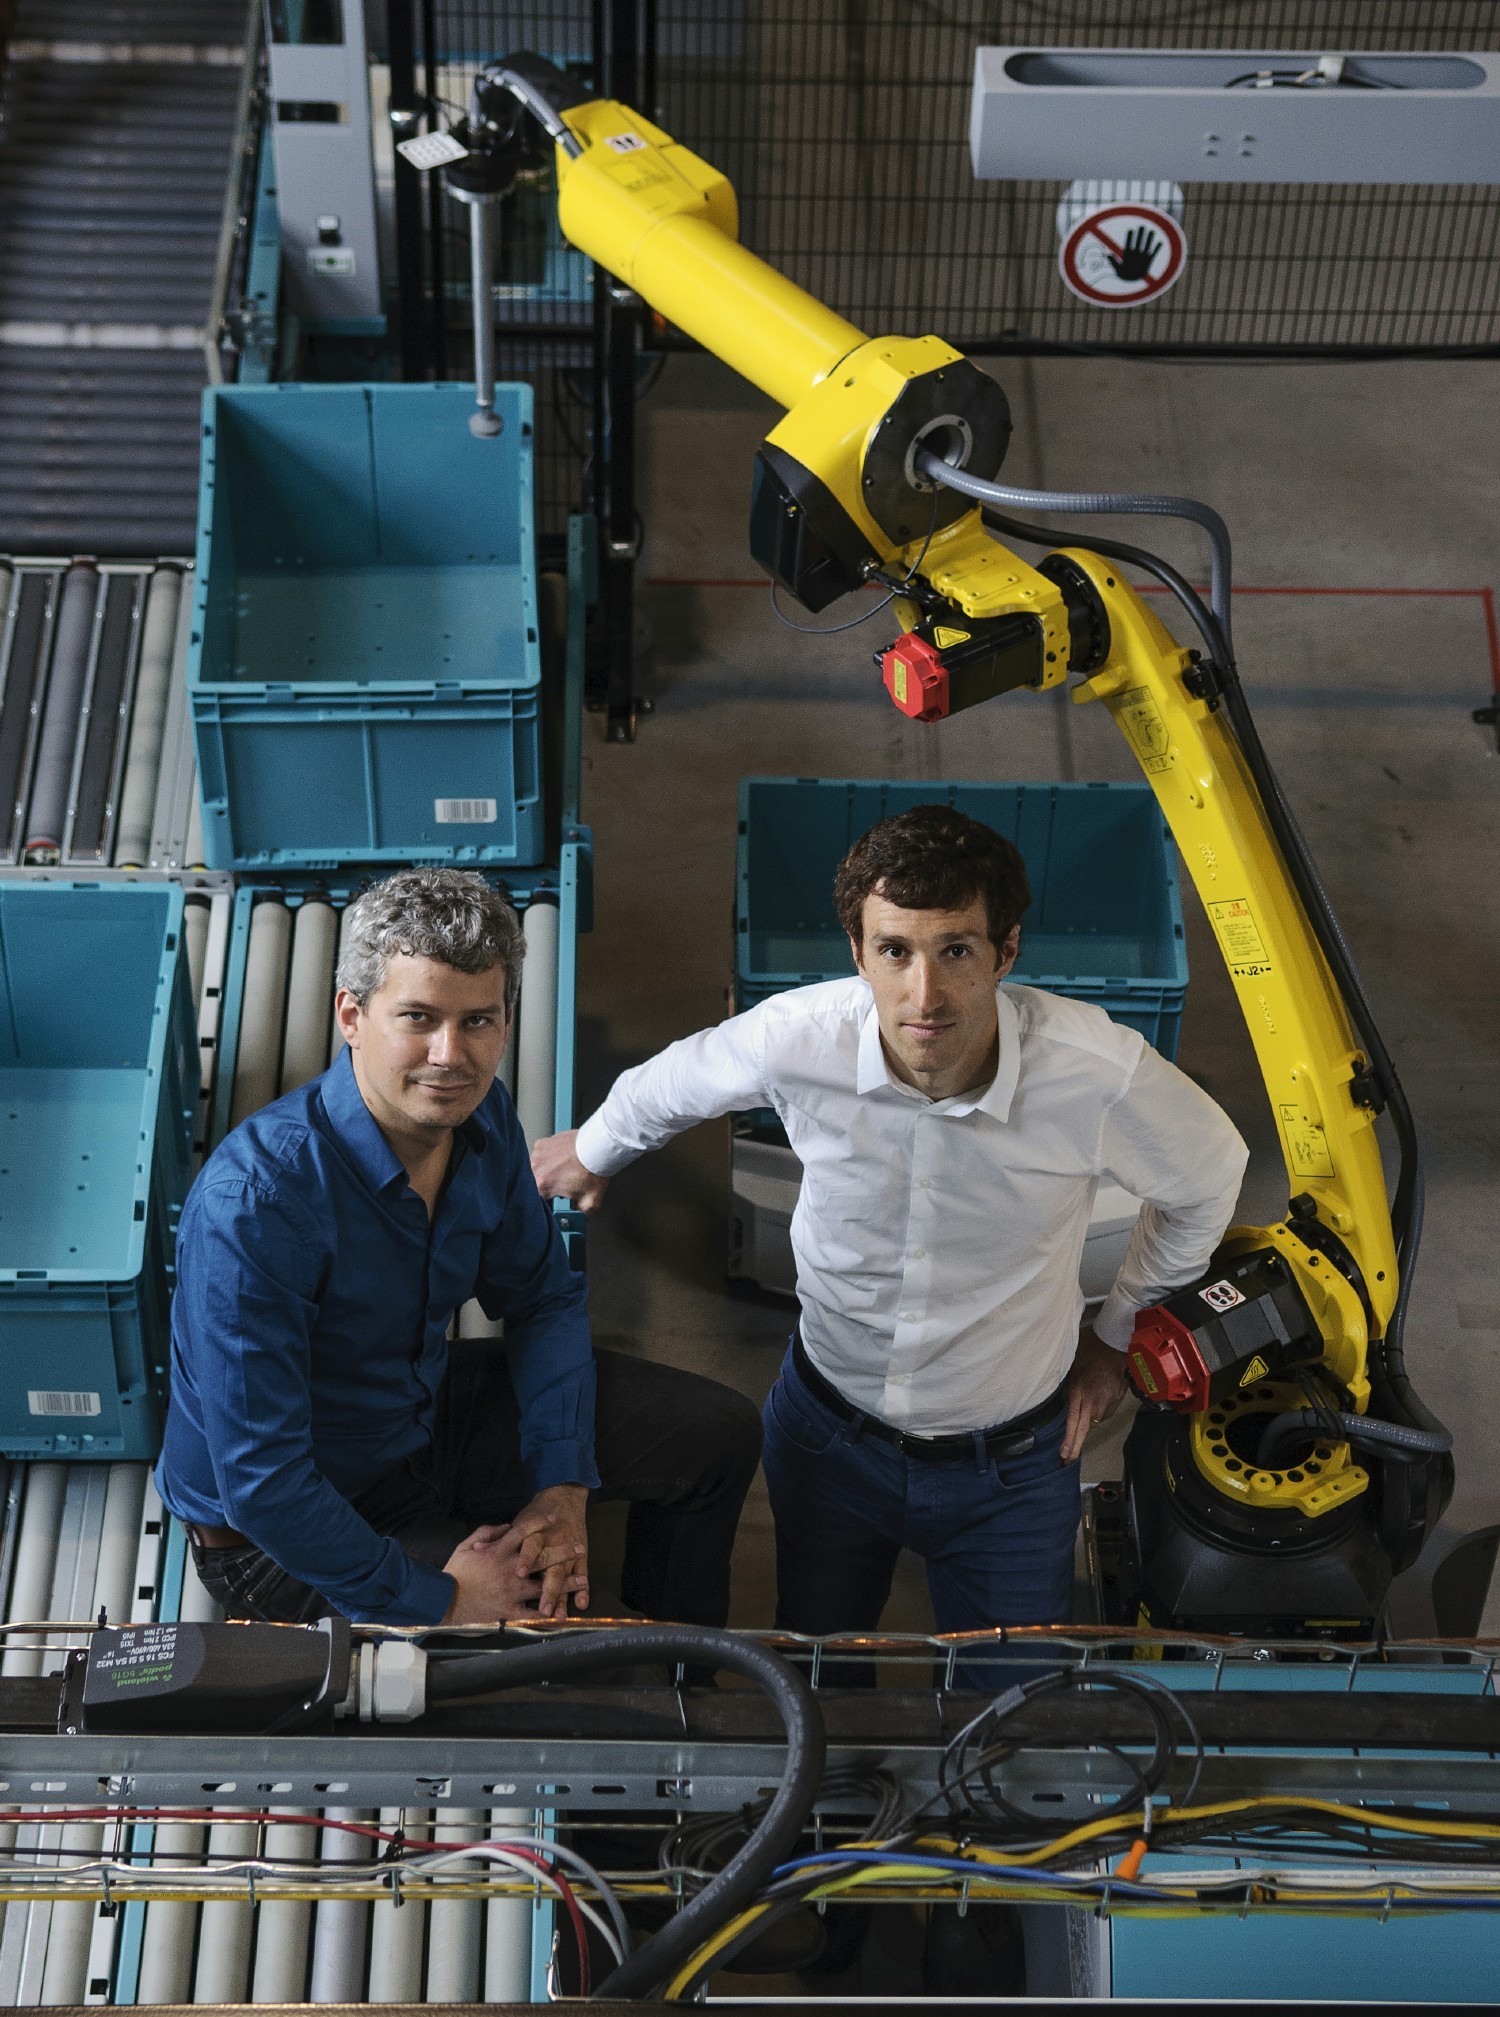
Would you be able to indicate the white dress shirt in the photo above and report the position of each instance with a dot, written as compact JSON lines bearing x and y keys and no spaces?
{"x":938,"y":1241}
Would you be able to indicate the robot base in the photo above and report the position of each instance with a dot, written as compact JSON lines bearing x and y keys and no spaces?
{"x":1193,"y":1562}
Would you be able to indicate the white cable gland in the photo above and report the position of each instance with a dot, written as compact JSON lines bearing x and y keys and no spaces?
{"x":400,"y":1683}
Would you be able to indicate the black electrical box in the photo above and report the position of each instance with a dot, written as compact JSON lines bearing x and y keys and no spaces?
{"x":219,"y":1679}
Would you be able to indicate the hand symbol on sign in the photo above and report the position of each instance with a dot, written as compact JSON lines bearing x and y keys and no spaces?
{"x":1138,"y":256}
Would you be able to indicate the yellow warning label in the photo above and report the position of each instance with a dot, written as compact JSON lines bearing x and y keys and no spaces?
{"x":1143,"y":1372}
{"x":1306,"y":1144}
{"x":653,"y":183}
{"x":1256,"y":1370}
{"x":899,"y":686}
{"x":946,"y":635}
{"x":1239,"y":937}
{"x":1145,"y":728}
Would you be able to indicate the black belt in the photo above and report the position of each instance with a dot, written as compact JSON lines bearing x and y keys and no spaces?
{"x":1006,"y":1439}
{"x":216,"y":1537}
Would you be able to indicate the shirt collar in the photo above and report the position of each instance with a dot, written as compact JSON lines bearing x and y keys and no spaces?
{"x":872,"y":1071}
{"x":358,"y":1131}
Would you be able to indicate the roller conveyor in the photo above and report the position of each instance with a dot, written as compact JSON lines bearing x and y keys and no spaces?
{"x":121,"y":152}
{"x":97,"y":768}
{"x":81,"y":1538}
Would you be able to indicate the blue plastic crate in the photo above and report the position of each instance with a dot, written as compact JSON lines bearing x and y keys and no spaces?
{"x":98,"y":1088}
{"x":365,"y":662}
{"x":1105,"y":922}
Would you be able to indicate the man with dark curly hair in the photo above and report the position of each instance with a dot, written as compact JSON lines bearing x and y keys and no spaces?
{"x":953,"y":1128}
{"x":327,"y":1446}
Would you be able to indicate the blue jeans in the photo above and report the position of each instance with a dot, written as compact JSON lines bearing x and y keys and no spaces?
{"x":996,"y":1533}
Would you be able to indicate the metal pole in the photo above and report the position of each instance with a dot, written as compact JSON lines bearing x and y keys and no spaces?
{"x":406,"y":114}
{"x":482,"y":420}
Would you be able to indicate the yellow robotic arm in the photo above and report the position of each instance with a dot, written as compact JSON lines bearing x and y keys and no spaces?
{"x":1273,"y":1410}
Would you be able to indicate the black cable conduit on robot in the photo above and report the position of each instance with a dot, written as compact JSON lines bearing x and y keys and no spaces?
{"x":566,"y":1657}
{"x":1368,"y":1430}
{"x":1214,"y":625}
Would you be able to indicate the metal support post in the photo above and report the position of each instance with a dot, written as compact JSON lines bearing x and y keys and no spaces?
{"x":406,"y":114}
{"x":617,"y":325}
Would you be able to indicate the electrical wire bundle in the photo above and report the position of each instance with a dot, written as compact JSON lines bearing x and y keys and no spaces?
{"x":986,"y":1846}
{"x":699,"y":1846}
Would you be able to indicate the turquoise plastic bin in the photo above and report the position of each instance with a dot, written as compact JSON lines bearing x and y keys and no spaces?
{"x":1105,"y":922}
{"x":98,"y":1087}
{"x":365,"y":663}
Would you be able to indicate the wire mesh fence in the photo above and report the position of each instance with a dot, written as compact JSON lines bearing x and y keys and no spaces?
{"x":843,"y":125}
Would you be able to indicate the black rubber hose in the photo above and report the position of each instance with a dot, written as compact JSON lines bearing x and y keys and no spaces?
{"x":1388,"y":1368}
{"x":567,"y":1656}
{"x":1109,"y":503}
{"x":541,"y":88}
{"x":1367,"y":1429}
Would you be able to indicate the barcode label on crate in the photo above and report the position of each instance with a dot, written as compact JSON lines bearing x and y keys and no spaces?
{"x":58,"y":1401}
{"x":466,"y":811}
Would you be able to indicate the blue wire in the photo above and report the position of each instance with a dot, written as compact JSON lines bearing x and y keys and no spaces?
{"x":1126,"y":1887}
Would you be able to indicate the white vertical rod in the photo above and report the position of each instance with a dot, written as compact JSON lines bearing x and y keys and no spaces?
{"x":148,"y":1560}
{"x":536,"y":1055}
{"x":36,"y":1551}
{"x":341,"y":1928}
{"x":119,"y":1542}
{"x":257,"y":1065}
{"x":335,"y":1034}
{"x":508,"y":1924}
{"x":396,"y":1931}
{"x":223,"y":1971}
{"x":171,"y":1924}
{"x":197,"y":914}
{"x":153,"y":685}
{"x":283,"y":1924}
{"x":457,"y":1925}
{"x":192,"y":852}
{"x":309,"y":991}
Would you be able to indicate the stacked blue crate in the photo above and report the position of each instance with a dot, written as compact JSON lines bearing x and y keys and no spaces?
{"x":365,"y":662}
{"x":98,"y":1089}
{"x":1105,"y":923}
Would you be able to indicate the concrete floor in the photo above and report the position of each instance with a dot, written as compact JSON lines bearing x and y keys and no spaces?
{"x":1368,"y":483}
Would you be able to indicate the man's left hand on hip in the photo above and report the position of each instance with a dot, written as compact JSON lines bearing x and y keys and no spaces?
{"x":556,"y":1544}
{"x":1096,"y":1387}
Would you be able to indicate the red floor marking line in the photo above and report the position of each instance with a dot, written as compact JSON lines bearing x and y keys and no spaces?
{"x":1485,"y":596}
{"x":1492,"y":630}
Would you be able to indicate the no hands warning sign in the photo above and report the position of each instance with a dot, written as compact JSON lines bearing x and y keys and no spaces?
{"x":1123,"y":255}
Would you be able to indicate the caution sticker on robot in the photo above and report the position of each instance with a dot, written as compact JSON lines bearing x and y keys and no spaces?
{"x":1123,"y":255}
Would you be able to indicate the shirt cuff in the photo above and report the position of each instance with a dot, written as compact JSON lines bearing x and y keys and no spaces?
{"x":424,"y":1601}
{"x":565,"y":1462}
{"x":597,"y":1149}
{"x":1115,"y":1323}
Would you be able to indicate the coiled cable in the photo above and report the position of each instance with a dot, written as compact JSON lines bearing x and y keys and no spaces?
{"x":566,"y":1656}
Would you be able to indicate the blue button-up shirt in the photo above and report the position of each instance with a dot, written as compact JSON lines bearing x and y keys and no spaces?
{"x":309,"y":1333}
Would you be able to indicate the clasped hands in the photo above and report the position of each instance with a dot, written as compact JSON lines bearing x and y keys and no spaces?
{"x":530,"y":1567}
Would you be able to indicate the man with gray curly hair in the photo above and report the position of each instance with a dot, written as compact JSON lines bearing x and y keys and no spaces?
{"x":327,"y":1446}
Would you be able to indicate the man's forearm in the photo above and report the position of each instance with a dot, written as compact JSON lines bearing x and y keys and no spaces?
{"x":1166,"y":1249}
{"x":716,"y":1072}
{"x":313,"y":1533}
